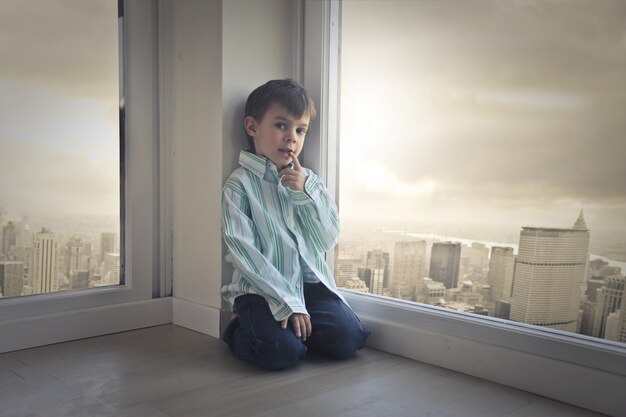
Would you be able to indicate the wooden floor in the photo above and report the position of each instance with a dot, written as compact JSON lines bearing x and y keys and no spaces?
{"x":171,"y":371}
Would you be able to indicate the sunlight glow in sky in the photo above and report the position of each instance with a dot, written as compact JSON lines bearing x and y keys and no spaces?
{"x":500,"y":113}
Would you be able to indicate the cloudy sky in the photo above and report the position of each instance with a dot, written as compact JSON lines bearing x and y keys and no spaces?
{"x":484,"y":112}
{"x":58,"y":106}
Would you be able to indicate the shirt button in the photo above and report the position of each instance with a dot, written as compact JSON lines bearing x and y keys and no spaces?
{"x":298,"y":285}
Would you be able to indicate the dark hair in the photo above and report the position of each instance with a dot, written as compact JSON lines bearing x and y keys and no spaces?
{"x":287,"y":92}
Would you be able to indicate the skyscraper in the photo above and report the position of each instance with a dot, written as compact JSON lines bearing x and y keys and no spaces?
{"x":107,"y":244}
{"x":377,"y":279}
{"x":608,"y":300}
{"x":111,"y":269}
{"x":378,"y":259}
{"x":74,"y":256}
{"x":346,"y":269}
{"x":79,"y":279}
{"x":445,"y":259}
{"x":11,"y":278}
{"x":550,"y":269}
{"x":500,"y":275}
{"x":9,"y":237}
{"x":429,"y":292}
{"x":409,"y":259}
{"x":45,"y":263}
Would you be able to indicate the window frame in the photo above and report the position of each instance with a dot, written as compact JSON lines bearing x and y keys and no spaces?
{"x":139,"y":188}
{"x":397,"y":323}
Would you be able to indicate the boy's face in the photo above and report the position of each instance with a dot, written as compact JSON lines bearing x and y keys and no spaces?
{"x":278,"y":134}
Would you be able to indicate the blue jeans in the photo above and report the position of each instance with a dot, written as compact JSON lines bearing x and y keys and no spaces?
{"x":256,"y":337}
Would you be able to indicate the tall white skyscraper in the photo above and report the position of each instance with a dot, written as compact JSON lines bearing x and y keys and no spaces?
{"x":550,"y":269}
{"x":500,"y":275}
{"x":409,"y":259}
{"x":45,"y":263}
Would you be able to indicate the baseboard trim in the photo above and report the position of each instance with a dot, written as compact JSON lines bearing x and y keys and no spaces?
{"x":199,"y":317}
{"x":414,"y":334}
{"x":79,"y":324}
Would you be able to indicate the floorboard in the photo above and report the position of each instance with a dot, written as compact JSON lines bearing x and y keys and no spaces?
{"x":169,"y":371}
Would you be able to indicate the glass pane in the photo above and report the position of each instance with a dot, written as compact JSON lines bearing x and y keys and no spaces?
{"x":59,"y":145}
{"x":482,"y":161}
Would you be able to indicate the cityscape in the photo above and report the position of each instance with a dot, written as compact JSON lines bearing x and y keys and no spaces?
{"x":59,"y":255}
{"x":547,"y":279}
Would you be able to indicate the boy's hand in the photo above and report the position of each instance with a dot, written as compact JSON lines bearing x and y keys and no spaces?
{"x":301,"y":325}
{"x":293,"y":178}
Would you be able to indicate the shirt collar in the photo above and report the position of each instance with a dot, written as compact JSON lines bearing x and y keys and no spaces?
{"x":256,"y":164}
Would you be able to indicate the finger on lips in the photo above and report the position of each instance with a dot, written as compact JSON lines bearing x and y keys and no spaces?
{"x":295,"y":161}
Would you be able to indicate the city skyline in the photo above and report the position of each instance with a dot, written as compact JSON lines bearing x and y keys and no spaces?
{"x":550,"y":279}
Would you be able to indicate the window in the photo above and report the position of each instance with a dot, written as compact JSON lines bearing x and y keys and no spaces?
{"x":60,"y":146}
{"x":481,"y":158}
{"x":139,"y":300}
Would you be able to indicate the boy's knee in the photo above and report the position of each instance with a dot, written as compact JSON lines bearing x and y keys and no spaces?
{"x":281,"y":354}
{"x":351,"y":341}
{"x":344,"y":341}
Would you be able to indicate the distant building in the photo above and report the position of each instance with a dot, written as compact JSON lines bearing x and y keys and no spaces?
{"x":346,"y":269}
{"x":107,"y":244}
{"x":377,"y":279}
{"x":79,"y":279}
{"x":608,"y":300}
{"x":595,"y":266}
{"x":409,"y":259}
{"x":588,"y":309}
{"x":365,"y":275}
{"x":73,"y":256}
{"x":500,"y":275}
{"x":356,"y":284}
{"x":593,"y":285}
{"x":466,"y":308}
{"x":551,"y":266}
{"x":378,"y":259}
{"x":445,"y":260}
{"x":111,"y":269}
{"x":45,"y":263}
{"x":9,"y":237}
{"x":502,"y":309}
{"x":11,"y":278}
{"x":474,"y":262}
{"x":430,"y":292}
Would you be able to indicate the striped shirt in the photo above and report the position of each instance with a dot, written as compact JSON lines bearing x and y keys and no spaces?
{"x":276,"y":237}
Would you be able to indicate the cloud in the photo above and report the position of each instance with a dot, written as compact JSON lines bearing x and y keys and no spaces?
{"x":517,"y":100}
{"x":70,"y":46}
{"x":515,"y":105}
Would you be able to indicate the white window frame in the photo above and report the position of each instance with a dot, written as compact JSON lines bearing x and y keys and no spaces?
{"x":573,"y":368}
{"x":48,"y":318}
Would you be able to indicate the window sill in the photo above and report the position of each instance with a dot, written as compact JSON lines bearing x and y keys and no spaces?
{"x":571,"y":368}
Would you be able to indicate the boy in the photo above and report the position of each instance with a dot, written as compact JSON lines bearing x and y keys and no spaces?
{"x":278,"y":221}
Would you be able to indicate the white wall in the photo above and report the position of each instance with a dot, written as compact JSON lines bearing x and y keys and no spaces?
{"x":196,"y":164}
{"x":221,"y":51}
